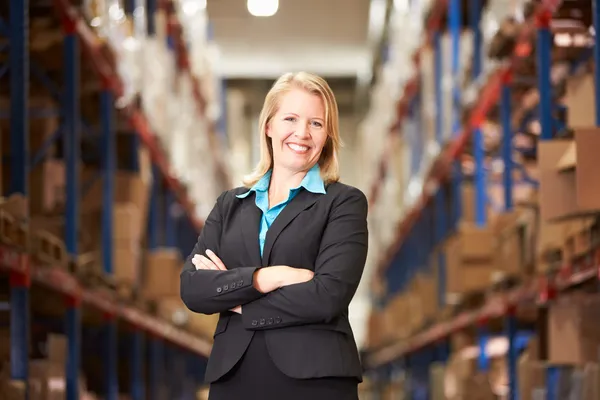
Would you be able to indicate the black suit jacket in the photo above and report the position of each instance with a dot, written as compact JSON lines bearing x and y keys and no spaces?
{"x":306,"y":325}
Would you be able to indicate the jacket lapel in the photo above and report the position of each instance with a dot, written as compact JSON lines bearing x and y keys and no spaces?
{"x":250,"y":226}
{"x":301,"y":202}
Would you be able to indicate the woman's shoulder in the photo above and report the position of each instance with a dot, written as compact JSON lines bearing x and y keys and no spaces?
{"x":341,"y":192}
{"x":229,"y":195}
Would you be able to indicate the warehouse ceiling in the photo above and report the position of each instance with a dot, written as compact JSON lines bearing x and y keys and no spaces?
{"x":328,"y":37}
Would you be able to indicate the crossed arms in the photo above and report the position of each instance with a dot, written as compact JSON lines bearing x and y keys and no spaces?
{"x":280,"y":296}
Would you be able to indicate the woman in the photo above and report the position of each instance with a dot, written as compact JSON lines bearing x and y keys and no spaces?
{"x":281,"y":258}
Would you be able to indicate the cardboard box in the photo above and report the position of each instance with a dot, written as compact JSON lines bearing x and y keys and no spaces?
{"x":574,"y":331}
{"x":570,"y":188}
{"x":161,"y":278}
{"x":425,"y":288}
{"x":476,"y":255}
{"x":580,"y":101}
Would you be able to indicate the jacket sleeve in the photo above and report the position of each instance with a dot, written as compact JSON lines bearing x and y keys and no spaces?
{"x":338,"y":270}
{"x":209,"y":291}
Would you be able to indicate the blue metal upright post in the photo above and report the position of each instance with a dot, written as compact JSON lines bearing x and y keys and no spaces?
{"x":483,"y":362}
{"x":596,"y":12}
{"x":438,"y":62}
{"x":455,"y":26}
{"x":544,"y":65}
{"x":475,"y":7}
{"x":19,"y":92}
{"x":108,"y":178}
{"x":111,"y":358}
{"x":513,"y":355}
{"x":510,"y":319}
{"x":150,"y":17}
{"x":478,"y":144}
{"x":138,"y":387}
{"x":507,"y":136}
{"x":19,"y":327}
{"x":72,"y":150}
{"x":19,"y":133}
{"x":156,"y":376}
{"x":73,"y":331}
{"x":71,"y":138}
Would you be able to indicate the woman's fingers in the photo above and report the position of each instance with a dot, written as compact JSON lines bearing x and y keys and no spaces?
{"x":208,"y":263}
{"x":213,"y":263}
{"x":197,"y":262}
{"x":202,"y":262}
{"x":216,"y":260}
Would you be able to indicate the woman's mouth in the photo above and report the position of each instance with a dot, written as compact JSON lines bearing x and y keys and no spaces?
{"x":299,"y":149}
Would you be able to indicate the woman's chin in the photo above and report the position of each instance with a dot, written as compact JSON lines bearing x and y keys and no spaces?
{"x":296,"y":165}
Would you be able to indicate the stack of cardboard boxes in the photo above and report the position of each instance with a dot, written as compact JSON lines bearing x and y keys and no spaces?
{"x":477,"y":256}
{"x":46,"y":375}
{"x":572,"y":351}
{"x":569,"y":197}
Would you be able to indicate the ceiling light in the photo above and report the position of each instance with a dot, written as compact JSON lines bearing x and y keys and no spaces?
{"x":191,"y":7}
{"x":263,"y":8}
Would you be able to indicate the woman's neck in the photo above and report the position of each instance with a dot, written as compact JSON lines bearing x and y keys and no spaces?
{"x":281,"y":183}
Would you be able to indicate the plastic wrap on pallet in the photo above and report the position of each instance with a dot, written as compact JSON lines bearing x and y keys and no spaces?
{"x":203,"y":53}
{"x":124,"y":36}
{"x":373,"y":131}
{"x":183,"y":122}
{"x":159,"y":72}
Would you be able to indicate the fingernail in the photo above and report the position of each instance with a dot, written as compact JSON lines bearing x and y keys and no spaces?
{"x":209,"y":251}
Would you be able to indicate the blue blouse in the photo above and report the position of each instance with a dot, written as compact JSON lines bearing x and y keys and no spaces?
{"x":311,"y":182}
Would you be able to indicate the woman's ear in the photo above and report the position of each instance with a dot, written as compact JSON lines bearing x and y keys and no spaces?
{"x":268,"y":129}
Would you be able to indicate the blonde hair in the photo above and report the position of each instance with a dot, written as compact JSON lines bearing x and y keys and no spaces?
{"x":328,"y":161}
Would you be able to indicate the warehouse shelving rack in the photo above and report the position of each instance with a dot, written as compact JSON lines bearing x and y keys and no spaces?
{"x":419,"y":227}
{"x":26,"y":276}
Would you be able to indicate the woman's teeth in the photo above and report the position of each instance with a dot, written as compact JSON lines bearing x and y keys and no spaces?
{"x":297,"y":148}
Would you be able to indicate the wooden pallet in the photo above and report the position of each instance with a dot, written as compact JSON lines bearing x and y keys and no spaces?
{"x":13,"y":231}
{"x":88,"y":271}
{"x":125,"y":291}
{"x":49,"y":249}
{"x":581,"y":238}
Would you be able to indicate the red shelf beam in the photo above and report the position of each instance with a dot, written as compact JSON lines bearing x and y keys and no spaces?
{"x":496,"y":307}
{"x":96,"y":53}
{"x":64,"y":283}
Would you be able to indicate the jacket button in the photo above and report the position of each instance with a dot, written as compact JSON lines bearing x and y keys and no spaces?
{"x":219,"y":290}
{"x":240,"y":283}
{"x":226,"y":287}
{"x":233,"y":285}
{"x":270,"y":321}
{"x":278,"y":320}
{"x":254,"y":322}
{"x":262,"y":321}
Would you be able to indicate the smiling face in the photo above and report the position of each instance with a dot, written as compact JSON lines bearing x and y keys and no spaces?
{"x":297,"y":130}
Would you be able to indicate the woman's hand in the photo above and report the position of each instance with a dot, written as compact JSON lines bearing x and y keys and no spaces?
{"x":212,"y":262}
{"x":272,"y":278}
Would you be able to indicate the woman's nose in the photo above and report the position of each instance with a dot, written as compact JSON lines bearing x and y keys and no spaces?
{"x":302,"y":131}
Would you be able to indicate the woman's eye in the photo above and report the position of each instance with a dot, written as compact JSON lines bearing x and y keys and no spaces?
{"x":317,"y":124}
{"x":290,"y":119}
